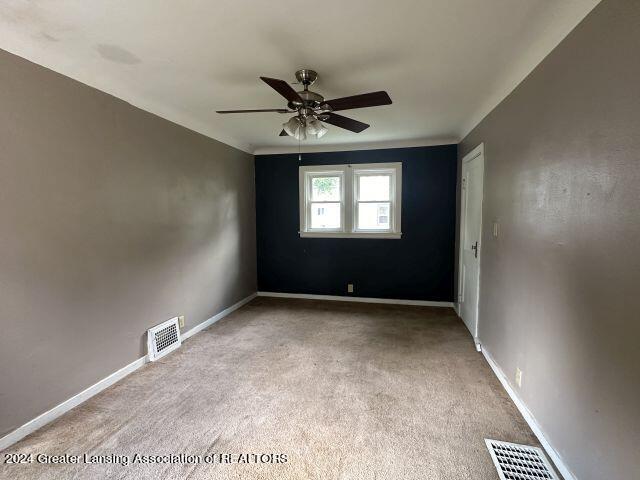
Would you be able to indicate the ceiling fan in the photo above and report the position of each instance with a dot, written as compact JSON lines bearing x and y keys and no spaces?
{"x":311,"y":109}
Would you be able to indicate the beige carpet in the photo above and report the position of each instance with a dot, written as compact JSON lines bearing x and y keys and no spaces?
{"x":344,"y":390}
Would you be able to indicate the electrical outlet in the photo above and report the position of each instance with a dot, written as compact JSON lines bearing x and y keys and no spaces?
{"x":181,"y":321}
{"x":518,"y":377}
{"x":349,"y":287}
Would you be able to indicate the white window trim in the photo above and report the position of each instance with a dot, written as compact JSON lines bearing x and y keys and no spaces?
{"x":348,"y":207}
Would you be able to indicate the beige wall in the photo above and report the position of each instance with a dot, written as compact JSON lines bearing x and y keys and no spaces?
{"x":111,"y":220}
{"x":559,"y":287}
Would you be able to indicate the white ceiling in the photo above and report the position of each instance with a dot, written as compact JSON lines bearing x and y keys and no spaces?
{"x":445,"y":63}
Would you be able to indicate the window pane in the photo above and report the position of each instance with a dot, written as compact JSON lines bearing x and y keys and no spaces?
{"x":374,"y":187}
{"x":374,"y":216}
{"x":325,"y":215}
{"x":325,"y":189}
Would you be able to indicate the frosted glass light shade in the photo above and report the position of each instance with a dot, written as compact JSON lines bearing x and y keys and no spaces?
{"x":316,"y":128}
{"x":293,"y":127}
{"x":301,"y":128}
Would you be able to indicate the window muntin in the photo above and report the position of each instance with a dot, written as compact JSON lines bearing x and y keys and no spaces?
{"x":358,"y":200}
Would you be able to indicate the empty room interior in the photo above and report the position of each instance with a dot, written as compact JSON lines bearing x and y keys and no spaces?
{"x":333,"y":241}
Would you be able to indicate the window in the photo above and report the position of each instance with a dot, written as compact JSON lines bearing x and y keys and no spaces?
{"x":324,"y":193}
{"x":351,"y":200}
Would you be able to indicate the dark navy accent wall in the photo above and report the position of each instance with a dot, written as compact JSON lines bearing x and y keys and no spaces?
{"x":419,"y":266}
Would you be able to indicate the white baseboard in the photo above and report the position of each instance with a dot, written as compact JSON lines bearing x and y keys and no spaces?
{"x":41,"y":420}
{"x":47,"y":417}
{"x":219,"y":316}
{"x":339,"y":298}
{"x":530,"y":419}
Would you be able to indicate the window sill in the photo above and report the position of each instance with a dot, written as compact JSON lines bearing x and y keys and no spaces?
{"x":382,"y":235}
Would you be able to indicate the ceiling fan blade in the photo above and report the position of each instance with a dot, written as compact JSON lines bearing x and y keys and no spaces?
{"x":345,"y":122}
{"x":276,"y":110}
{"x":283,"y":88}
{"x":284,"y":134}
{"x":364,"y":100}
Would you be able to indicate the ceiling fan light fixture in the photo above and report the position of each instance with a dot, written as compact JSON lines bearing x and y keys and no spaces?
{"x":315,"y":127}
{"x":293,"y":127}
{"x":301,"y":128}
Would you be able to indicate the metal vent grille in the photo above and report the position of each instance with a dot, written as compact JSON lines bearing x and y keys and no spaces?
{"x":520,"y":462}
{"x":163,"y":338}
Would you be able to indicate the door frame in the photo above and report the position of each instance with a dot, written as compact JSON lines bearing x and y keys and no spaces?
{"x":472,"y":155}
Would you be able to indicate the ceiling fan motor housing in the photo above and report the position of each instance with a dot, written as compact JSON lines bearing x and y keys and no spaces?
{"x":310,"y":100}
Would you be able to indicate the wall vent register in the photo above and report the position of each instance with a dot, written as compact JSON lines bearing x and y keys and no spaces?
{"x":520,"y":462}
{"x":163,"y":339}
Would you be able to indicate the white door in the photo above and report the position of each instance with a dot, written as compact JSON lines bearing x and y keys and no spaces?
{"x":470,"y":238}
